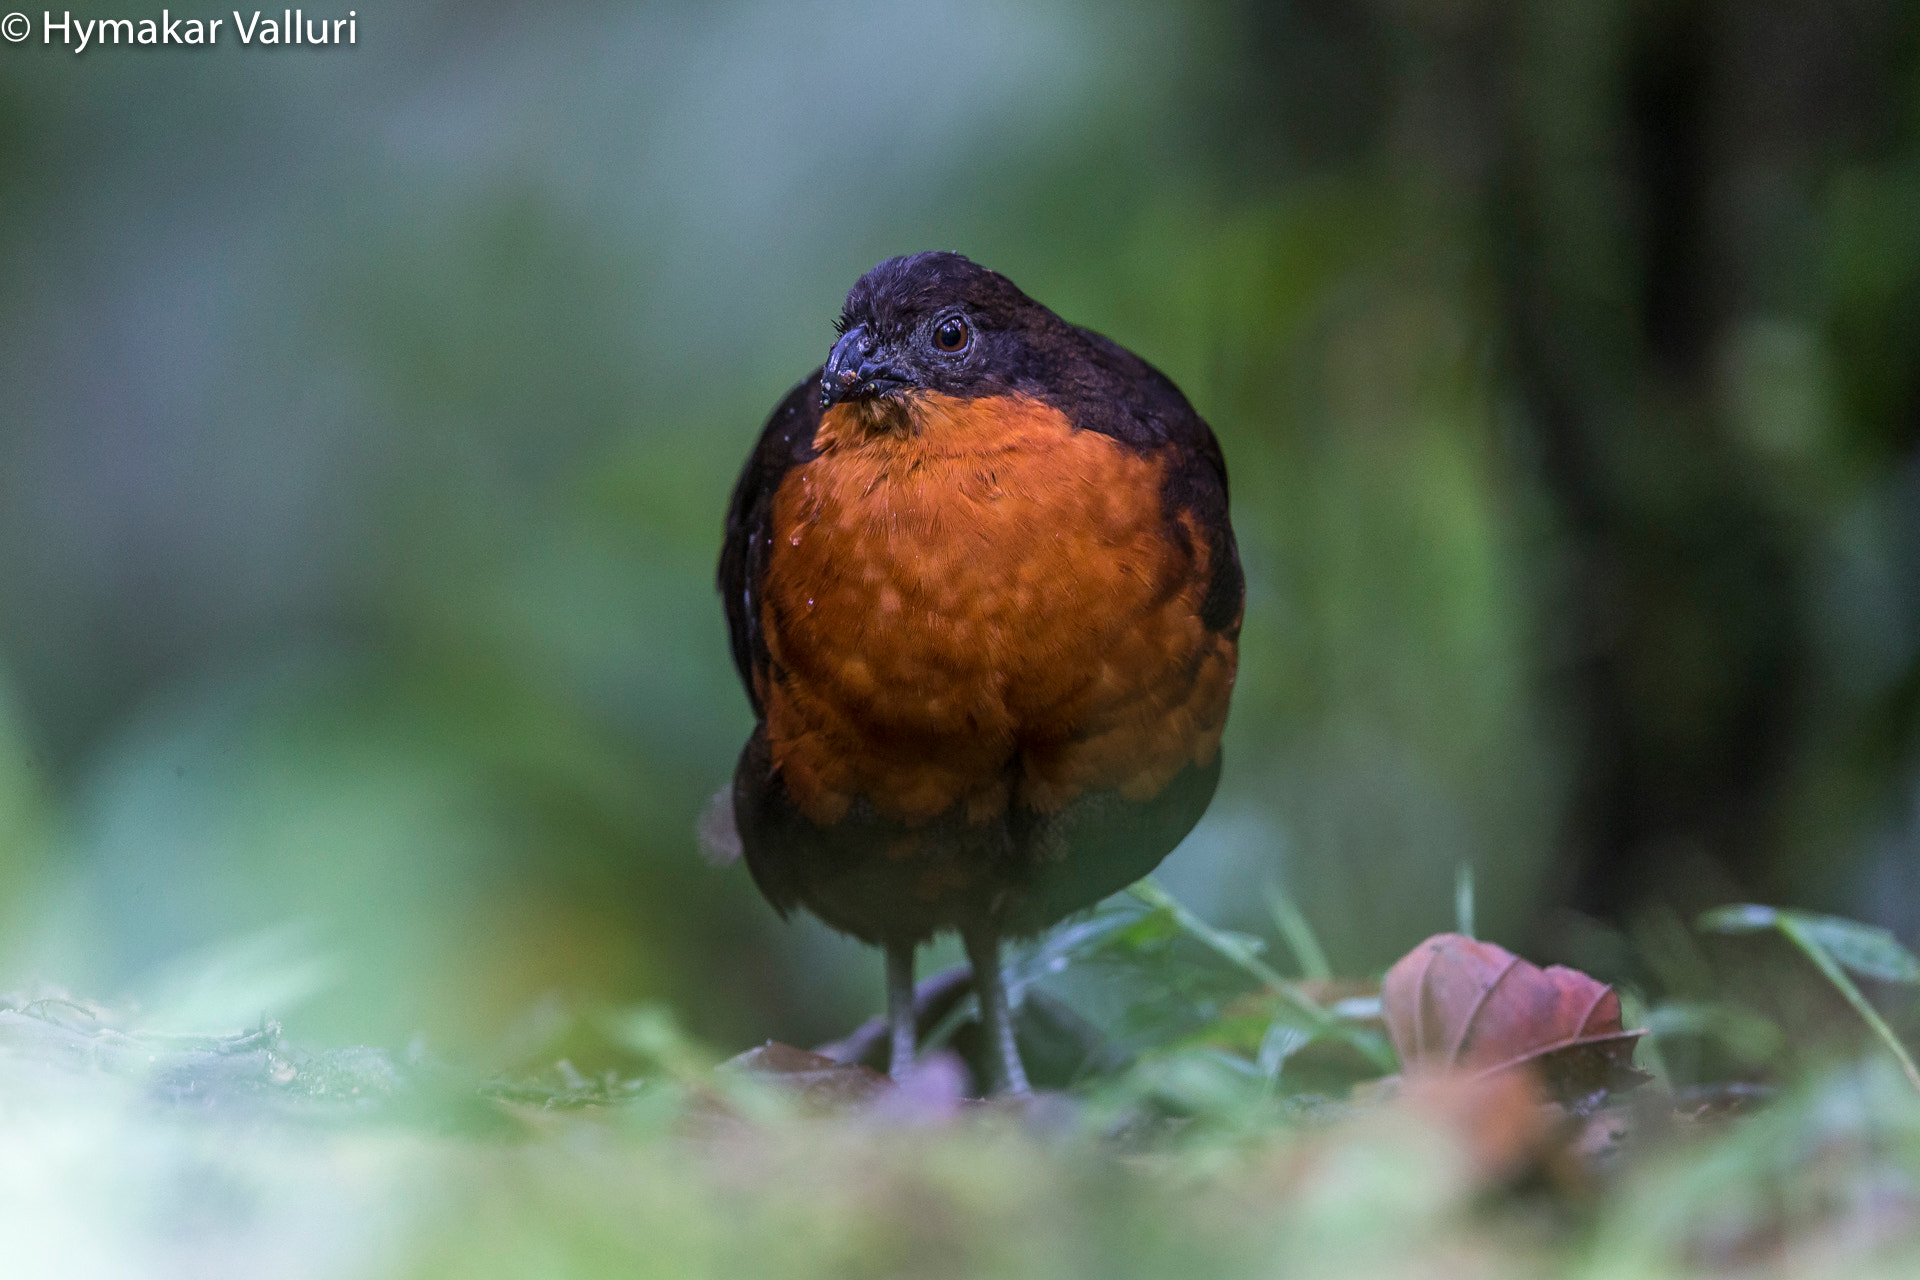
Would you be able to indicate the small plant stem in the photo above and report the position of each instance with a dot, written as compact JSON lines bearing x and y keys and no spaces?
{"x":1298,"y":933}
{"x":1827,"y":965}
{"x":1463,"y":899}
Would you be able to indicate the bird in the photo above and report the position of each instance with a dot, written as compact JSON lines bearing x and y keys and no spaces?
{"x":982,"y":589}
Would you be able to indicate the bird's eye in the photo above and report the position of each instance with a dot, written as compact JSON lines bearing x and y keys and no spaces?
{"x":951,"y":334}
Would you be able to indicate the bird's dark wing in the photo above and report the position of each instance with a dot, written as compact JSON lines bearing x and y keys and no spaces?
{"x":786,"y":441}
{"x":1198,"y":483}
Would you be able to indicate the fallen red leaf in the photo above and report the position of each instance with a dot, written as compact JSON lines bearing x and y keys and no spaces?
{"x":1456,"y":1005}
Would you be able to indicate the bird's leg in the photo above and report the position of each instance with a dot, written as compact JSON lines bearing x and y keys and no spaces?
{"x":900,"y":1015}
{"x":996,"y":1020}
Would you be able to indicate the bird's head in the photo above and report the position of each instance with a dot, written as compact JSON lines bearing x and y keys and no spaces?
{"x":929,"y":323}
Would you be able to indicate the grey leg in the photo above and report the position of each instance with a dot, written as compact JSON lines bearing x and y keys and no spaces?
{"x":900,"y":1020}
{"x":996,"y":1020}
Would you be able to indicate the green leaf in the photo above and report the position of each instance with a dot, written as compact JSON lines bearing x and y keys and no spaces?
{"x":1866,"y":949}
{"x":1744,"y":917}
{"x":1835,"y":945}
{"x":1227,"y":947}
{"x":1072,"y":941}
{"x":1153,"y":928}
{"x":1869,"y":951}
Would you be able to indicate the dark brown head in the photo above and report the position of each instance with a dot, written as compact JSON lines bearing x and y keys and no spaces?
{"x":935,"y":322}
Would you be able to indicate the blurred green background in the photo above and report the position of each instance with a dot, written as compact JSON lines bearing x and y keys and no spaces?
{"x":369,"y":415}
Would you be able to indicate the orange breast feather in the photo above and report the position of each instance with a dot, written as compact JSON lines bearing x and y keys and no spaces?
{"x":989,"y":606}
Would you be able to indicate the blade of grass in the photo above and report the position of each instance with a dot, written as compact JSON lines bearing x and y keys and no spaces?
{"x":1298,"y":935}
{"x":1236,"y":953}
{"x":1463,"y":900}
{"x":1810,"y":946}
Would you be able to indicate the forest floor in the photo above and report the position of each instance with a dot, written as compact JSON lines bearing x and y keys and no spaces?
{"x":127,"y":1151}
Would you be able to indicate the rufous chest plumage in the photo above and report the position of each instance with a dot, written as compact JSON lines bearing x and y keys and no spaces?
{"x":987,"y":605}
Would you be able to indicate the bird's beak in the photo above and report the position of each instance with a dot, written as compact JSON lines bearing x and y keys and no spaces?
{"x":852,"y":372}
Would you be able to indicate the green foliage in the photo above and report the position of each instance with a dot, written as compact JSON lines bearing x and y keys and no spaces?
{"x":1867,"y":950}
{"x":1835,"y":945}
